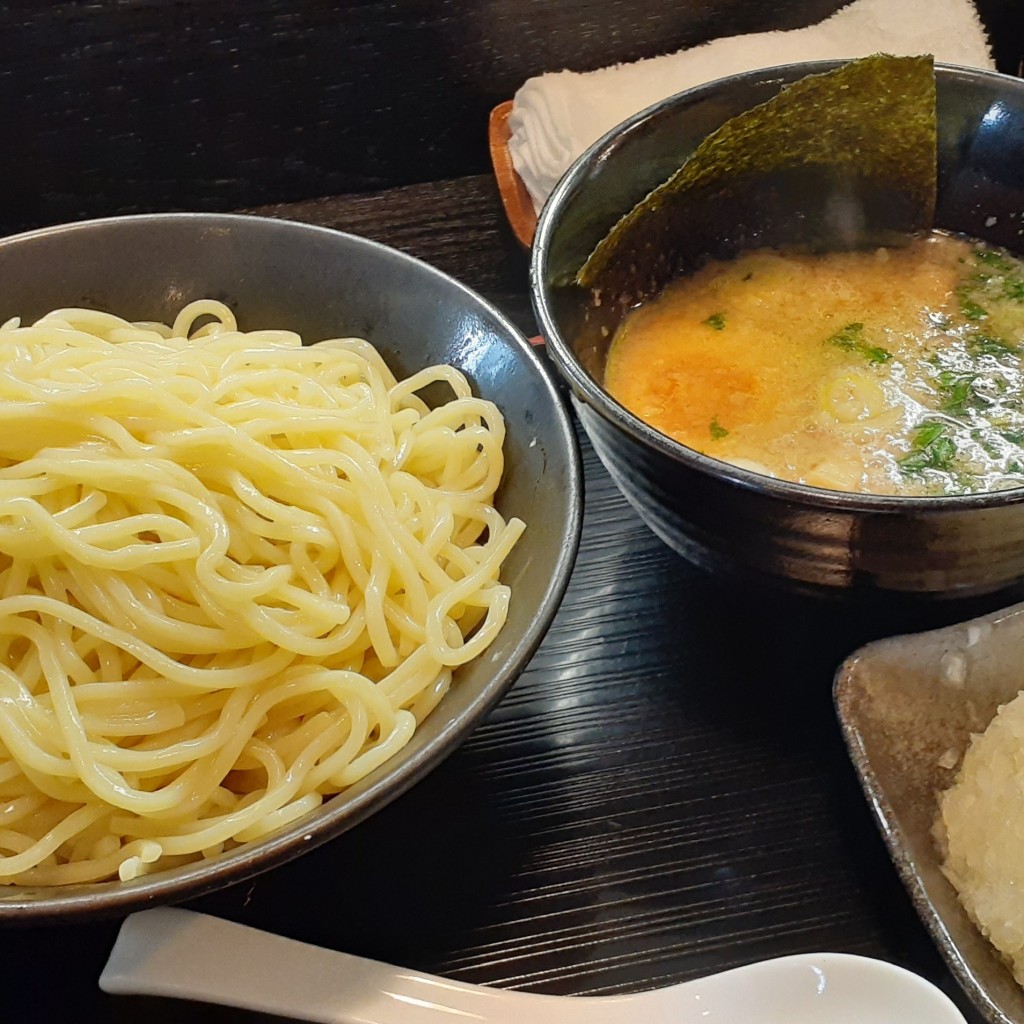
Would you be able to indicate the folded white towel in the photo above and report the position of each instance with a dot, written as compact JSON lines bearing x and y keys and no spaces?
{"x":555,"y":117}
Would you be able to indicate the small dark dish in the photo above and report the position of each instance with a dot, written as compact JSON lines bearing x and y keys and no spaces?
{"x":322,"y":284}
{"x":723,"y":517}
{"x":905,"y":704}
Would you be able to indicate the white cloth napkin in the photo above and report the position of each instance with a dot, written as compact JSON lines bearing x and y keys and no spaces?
{"x":556,"y":116}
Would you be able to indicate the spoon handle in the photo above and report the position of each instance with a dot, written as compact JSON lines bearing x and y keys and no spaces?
{"x":184,"y":955}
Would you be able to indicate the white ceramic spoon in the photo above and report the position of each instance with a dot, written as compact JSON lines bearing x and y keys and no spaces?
{"x":184,"y":955}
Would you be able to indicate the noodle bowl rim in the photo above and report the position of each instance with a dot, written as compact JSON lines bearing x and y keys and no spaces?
{"x":437,"y":737}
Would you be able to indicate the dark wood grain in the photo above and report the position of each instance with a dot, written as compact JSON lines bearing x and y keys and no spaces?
{"x":120,"y":106}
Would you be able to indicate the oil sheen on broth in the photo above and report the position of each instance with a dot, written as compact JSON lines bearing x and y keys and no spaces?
{"x":893,"y":371}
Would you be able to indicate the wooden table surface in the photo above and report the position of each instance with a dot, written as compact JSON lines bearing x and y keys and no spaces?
{"x":664,"y":793}
{"x":128,"y":106}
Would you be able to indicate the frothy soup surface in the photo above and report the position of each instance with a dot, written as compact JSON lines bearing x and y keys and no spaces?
{"x":894,"y":371}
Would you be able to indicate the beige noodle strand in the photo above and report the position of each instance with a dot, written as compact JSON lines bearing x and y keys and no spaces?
{"x":235,"y":573}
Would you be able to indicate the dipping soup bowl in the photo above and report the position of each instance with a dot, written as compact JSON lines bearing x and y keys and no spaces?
{"x":726,"y":518}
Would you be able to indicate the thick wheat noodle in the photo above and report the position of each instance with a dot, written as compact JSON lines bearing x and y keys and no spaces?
{"x":235,"y":573}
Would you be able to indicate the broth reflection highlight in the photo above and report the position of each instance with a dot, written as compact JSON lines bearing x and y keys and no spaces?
{"x":893,"y":371}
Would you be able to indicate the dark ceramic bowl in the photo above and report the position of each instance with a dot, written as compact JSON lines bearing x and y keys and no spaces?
{"x":323,"y":283}
{"x":716,"y":514}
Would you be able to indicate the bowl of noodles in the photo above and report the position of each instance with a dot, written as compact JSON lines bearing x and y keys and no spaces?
{"x":284,"y":514}
{"x":735,"y":336}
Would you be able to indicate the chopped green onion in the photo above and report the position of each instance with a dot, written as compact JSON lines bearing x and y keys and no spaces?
{"x":970,"y":309}
{"x":849,"y":339}
{"x":931,"y":449}
{"x":958,"y":393}
{"x":993,"y":259}
{"x":1014,"y":289}
{"x":988,"y":345}
{"x":927,"y":433}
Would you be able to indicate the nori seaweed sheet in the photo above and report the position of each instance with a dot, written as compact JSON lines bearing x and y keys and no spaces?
{"x":839,"y":160}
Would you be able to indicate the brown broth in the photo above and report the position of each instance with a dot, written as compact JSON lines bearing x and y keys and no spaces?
{"x":895,"y":371}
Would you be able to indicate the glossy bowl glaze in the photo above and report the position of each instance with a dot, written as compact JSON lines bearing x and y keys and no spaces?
{"x":323,"y":283}
{"x":726,"y":518}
